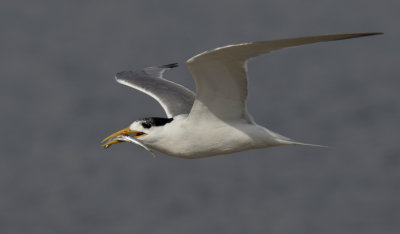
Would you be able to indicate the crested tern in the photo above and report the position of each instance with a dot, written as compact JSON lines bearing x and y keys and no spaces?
{"x":214,"y":120}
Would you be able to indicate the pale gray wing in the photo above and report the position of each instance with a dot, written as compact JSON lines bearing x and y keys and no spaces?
{"x":220,"y":74}
{"x":174,"y":98}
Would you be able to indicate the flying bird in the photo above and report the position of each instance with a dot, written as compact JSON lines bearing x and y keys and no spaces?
{"x":214,"y":120}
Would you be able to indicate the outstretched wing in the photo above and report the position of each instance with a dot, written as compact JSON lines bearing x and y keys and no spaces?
{"x":174,"y":98}
{"x":221,"y":79}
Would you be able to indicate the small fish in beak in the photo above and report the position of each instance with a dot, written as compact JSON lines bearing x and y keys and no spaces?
{"x":123,"y":136}
{"x":126,"y":138}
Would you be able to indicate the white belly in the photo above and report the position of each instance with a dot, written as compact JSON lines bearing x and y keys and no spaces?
{"x":195,"y":140}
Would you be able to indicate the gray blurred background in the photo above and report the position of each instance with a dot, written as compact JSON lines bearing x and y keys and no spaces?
{"x":59,"y":99}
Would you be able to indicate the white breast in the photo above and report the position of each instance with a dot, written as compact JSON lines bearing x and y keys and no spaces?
{"x":184,"y":138}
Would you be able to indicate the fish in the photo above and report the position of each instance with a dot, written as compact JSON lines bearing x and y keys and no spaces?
{"x":127,"y":138}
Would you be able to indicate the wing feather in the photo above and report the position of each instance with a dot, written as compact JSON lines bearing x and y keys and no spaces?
{"x":220,"y":74}
{"x":174,"y":98}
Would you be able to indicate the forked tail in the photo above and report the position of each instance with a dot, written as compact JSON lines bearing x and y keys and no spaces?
{"x":287,"y":141}
{"x":292,"y":142}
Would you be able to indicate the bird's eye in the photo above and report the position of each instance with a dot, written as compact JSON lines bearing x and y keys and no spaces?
{"x":146,"y":125}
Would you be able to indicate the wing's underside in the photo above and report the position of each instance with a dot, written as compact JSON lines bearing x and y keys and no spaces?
{"x":174,"y":98}
{"x":220,"y":74}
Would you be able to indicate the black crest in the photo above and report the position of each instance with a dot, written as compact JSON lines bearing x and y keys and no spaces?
{"x":155,"y":121}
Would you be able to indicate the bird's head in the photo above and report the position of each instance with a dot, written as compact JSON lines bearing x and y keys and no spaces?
{"x":139,"y":129}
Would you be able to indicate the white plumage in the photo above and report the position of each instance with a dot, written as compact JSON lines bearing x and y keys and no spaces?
{"x":215,"y":120}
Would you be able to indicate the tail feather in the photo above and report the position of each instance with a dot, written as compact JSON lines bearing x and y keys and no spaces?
{"x":287,"y":141}
{"x":291,"y":142}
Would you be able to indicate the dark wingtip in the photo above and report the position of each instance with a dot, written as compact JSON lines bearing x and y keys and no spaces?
{"x":171,"y":65}
{"x":123,"y":74}
{"x":354,"y":35}
{"x":372,"y":33}
{"x":367,"y":34}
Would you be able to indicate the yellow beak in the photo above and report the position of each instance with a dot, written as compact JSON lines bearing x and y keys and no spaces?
{"x":124,"y":131}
